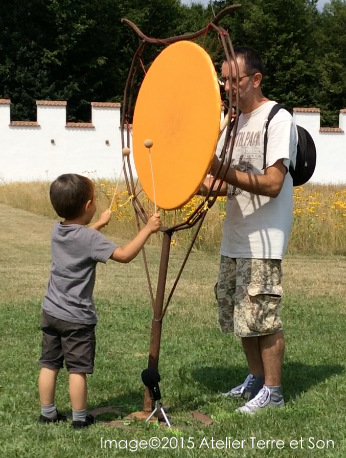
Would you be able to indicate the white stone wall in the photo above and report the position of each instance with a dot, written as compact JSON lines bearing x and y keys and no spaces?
{"x":330,"y":145}
{"x":44,"y":149}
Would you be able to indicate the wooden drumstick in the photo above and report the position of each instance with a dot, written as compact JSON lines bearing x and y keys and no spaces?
{"x":148,"y":143}
{"x":126,"y":152}
{"x":224,"y":123}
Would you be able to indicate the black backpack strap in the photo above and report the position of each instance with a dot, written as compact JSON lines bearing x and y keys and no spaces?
{"x":271,"y":115}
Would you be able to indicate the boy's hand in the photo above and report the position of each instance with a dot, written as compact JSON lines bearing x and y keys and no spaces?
{"x":102,"y":221}
{"x":130,"y":250}
{"x":105,"y":217}
{"x":154,"y":223}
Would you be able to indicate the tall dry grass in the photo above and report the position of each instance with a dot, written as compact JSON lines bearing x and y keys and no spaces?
{"x":319,"y":225}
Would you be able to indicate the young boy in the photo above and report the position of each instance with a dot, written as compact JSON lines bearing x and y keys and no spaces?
{"x":69,"y":316}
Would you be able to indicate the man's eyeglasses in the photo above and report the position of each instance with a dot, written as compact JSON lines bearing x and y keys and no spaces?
{"x":233,"y":81}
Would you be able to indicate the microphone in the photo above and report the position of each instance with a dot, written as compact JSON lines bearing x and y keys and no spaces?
{"x":151,"y":378}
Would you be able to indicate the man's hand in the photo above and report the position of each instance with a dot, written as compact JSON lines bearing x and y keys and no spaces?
{"x":207,"y":184}
{"x":215,"y":165}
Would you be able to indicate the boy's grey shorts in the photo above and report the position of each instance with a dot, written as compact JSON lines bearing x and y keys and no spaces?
{"x":72,"y":342}
{"x":249,"y":292}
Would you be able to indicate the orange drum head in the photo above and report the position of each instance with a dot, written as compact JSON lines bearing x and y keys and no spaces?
{"x":178,"y":108}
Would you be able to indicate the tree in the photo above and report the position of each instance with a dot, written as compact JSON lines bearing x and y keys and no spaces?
{"x":81,"y":51}
{"x":280,"y":31}
{"x":331,"y":59}
{"x":74,"y":51}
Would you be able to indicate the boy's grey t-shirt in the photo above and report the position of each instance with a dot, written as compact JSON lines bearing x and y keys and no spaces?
{"x":75,"y":252}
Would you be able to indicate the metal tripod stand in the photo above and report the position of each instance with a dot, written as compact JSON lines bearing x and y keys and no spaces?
{"x":159,"y":409}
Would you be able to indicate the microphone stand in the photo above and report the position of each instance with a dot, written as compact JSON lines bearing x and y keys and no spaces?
{"x":159,"y":409}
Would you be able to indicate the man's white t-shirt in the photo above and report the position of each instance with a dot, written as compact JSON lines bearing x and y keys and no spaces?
{"x":259,"y":226}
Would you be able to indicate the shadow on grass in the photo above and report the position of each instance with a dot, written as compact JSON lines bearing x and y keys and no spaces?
{"x":118,"y":408}
{"x":191,"y":385}
{"x":297,"y":377}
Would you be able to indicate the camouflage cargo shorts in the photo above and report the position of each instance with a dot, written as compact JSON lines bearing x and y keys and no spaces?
{"x":249,"y":292}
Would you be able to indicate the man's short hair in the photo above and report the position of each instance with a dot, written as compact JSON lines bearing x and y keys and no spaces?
{"x":69,"y":193}
{"x":252,"y":60}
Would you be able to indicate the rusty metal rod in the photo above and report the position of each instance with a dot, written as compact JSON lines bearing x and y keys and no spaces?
{"x":156,"y":324}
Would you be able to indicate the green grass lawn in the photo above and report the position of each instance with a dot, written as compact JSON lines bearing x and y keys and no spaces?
{"x":197,"y":362}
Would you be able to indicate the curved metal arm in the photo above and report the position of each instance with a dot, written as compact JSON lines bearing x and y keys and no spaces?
{"x":229,"y":54}
{"x":187,"y":36}
{"x":199,"y":214}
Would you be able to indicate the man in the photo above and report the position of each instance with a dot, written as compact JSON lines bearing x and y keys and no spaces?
{"x":256,"y":232}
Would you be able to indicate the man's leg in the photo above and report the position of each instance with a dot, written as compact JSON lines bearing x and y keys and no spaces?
{"x":272,"y":349}
{"x":265,"y":355}
{"x":253,"y":355}
{"x":257,"y":317}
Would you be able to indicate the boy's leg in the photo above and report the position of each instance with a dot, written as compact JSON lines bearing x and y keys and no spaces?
{"x":46,"y":385}
{"x":78,"y":390}
{"x":79,"y":350}
{"x":46,"y":388}
{"x":51,"y":361}
{"x":78,"y":394}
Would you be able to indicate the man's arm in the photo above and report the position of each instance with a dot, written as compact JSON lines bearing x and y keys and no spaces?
{"x":269,"y":184}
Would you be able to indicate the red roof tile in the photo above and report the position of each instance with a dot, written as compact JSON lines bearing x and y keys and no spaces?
{"x":306,"y":110}
{"x":334,"y":130}
{"x":24,"y":124}
{"x":51,"y":102}
{"x":80,"y":125}
{"x":106,"y":104}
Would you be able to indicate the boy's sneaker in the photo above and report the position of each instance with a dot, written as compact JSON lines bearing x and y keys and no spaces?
{"x":90,"y":420}
{"x":248,"y":389}
{"x":59,"y":417}
{"x":264,"y":399}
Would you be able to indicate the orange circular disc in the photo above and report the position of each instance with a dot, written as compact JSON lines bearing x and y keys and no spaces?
{"x":178,"y":108}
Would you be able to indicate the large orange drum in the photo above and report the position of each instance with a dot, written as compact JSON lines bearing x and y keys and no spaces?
{"x":178,"y":108}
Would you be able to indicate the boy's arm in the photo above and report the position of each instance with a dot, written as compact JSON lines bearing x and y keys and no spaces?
{"x":130,"y":250}
{"x":102,"y":221}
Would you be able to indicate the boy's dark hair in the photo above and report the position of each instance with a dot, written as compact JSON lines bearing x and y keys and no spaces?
{"x":253,"y":62}
{"x":69,"y":193}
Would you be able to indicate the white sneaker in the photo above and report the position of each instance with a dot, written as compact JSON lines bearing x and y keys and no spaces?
{"x":264,"y":399}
